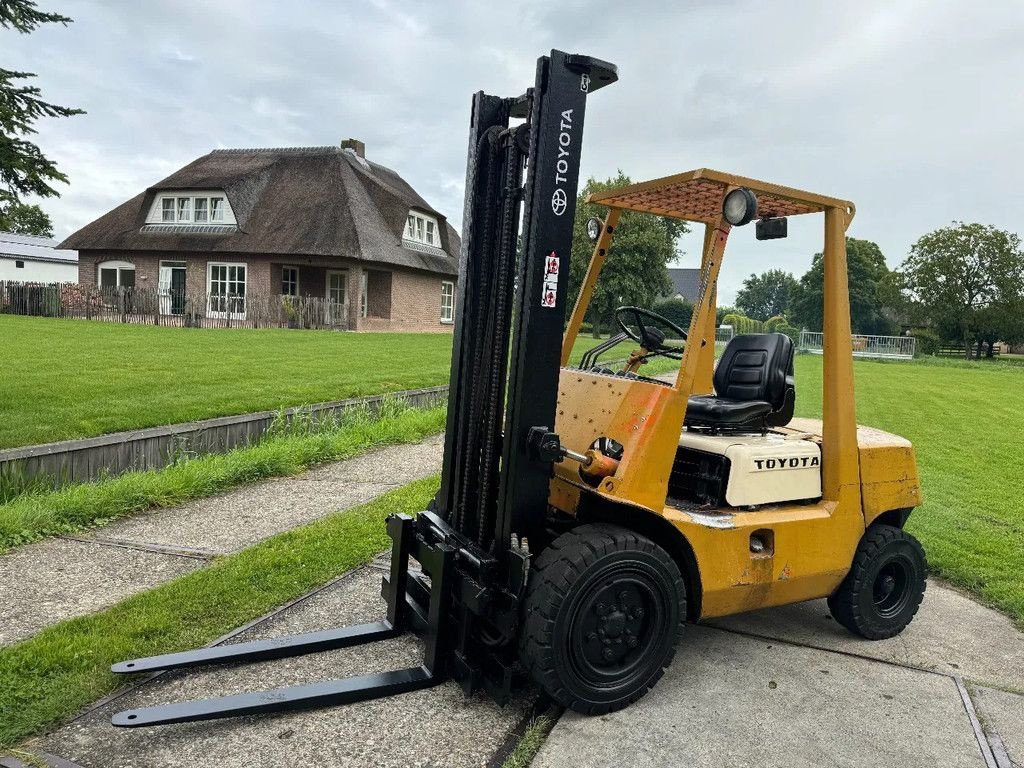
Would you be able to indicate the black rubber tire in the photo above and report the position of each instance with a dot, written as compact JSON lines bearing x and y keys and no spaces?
{"x":884,"y":588}
{"x":604,"y":610}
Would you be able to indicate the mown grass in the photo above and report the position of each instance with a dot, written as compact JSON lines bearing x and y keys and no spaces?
{"x":62,"y":379}
{"x":966,"y":421}
{"x":286,"y":451}
{"x":55,"y":673}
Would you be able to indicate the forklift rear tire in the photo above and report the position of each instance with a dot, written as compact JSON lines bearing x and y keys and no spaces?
{"x":604,"y":610}
{"x":885,"y":585}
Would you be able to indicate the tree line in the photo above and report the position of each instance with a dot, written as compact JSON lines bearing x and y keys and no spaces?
{"x":961,"y":285}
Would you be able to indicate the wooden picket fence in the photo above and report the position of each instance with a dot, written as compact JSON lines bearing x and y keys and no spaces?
{"x":153,"y":306}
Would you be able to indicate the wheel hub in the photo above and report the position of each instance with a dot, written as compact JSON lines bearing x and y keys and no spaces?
{"x":614,"y":626}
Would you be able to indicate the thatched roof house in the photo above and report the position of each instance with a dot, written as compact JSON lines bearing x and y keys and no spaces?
{"x":310,"y":221}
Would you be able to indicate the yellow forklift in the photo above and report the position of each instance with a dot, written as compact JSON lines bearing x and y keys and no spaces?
{"x":587,"y":512}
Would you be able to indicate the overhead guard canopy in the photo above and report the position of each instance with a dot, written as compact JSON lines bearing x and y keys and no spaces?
{"x":697,"y":196}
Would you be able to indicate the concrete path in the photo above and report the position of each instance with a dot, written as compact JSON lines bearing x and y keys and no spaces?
{"x":57,"y":579}
{"x":741,"y":692}
{"x":434,"y":727}
{"x":788,"y":687}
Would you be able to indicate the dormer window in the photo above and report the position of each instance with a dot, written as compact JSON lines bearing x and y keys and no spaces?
{"x":190,"y":208}
{"x":421,"y":228}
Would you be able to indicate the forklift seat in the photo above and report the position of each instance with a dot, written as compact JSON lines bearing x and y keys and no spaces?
{"x":753,"y":386}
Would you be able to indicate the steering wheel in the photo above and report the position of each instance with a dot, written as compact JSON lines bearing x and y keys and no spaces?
{"x":647,"y":334}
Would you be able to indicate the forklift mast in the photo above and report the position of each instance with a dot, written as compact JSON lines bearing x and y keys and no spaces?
{"x":512,"y":296}
{"x":465,"y":597}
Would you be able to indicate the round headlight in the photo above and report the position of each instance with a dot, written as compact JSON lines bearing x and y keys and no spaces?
{"x":740,"y":207}
{"x":594,"y":227}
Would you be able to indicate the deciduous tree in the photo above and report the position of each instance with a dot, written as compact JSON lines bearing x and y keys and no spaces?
{"x":636,"y":270}
{"x":867,"y":273}
{"x":968,"y":280}
{"x":766,"y":295}
{"x":25,"y":220}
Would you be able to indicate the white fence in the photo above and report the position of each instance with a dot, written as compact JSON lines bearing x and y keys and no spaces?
{"x":892,"y":347}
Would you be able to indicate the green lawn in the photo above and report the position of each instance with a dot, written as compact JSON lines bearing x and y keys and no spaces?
{"x":966,"y":421}
{"x":61,"y":379}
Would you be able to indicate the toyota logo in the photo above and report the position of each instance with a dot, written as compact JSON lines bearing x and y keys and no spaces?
{"x":558,"y":202}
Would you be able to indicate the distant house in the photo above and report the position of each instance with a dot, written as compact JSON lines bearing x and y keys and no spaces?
{"x":31,"y":259}
{"x":319,"y":222}
{"x":685,"y":283}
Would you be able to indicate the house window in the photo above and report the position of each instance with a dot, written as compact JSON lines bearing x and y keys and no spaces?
{"x":18,"y":264}
{"x":289,"y":281}
{"x":337,"y":297}
{"x":190,"y":209}
{"x":421,"y":228}
{"x":447,"y":301}
{"x":116,"y":274}
{"x":226,"y":286}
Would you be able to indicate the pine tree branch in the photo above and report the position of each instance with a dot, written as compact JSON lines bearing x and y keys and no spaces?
{"x":23,"y":16}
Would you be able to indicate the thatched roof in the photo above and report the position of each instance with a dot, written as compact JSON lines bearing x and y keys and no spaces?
{"x":305,"y":201}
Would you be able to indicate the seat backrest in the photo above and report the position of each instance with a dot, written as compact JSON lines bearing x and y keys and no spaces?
{"x":756,"y":367}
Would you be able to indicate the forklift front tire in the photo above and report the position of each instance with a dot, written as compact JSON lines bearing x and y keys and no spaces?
{"x":604,"y":610}
{"x":884,"y":588}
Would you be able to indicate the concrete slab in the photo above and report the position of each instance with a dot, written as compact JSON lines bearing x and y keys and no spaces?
{"x":58,"y":579}
{"x":1002,"y":716}
{"x":245,"y":516}
{"x":435,"y":727}
{"x":950,"y":634}
{"x":41,"y":584}
{"x":236,"y":520}
{"x":730,"y":700}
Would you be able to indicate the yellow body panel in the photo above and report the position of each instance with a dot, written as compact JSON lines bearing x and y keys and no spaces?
{"x":865,"y":472}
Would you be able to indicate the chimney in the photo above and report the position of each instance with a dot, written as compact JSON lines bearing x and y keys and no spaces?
{"x":355,"y":145}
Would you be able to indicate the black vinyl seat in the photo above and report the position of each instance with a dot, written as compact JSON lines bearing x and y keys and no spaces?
{"x":753,"y":386}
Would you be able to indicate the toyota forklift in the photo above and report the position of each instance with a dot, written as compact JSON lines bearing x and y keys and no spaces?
{"x":587,"y":512}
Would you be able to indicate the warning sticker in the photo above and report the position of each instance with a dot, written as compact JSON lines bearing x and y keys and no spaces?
{"x":549,"y":295}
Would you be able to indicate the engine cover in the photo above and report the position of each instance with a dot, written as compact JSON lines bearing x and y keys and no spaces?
{"x":760,"y":469}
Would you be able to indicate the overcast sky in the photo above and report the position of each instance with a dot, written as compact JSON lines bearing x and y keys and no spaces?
{"x":913,"y":110}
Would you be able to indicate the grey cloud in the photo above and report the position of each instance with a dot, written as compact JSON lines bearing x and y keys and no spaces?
{"x":911,"y":109}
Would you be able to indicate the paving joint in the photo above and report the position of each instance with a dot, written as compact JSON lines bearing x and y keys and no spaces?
{"x":994,"y":756}
{"x":979,"y":732}
{"x":850,"y":654}
{"x":142,"y":546}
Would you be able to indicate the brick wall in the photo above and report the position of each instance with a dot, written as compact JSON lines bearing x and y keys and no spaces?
{"x":398,"y":300}
{"x":415,"y":302}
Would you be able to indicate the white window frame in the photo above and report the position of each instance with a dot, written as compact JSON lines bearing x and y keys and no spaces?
{"x":331,"y":304}
{"x":164,"y":283}
{"x":180,"y":208}
{"x":422,"y":228}
{"x":120,"y":266}
{"x":447,"y":302}
{"x":284,"y":270}
{"x":210,"y":311}
{"x":364,"y":293}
